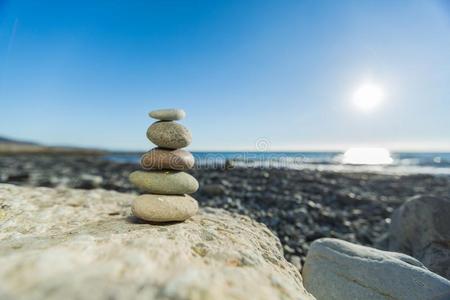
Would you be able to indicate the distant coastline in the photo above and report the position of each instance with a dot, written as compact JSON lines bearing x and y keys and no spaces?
{"x":437,"y":163}
{"x":10,"y":146}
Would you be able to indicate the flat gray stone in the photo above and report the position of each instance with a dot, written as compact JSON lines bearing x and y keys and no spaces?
{"x":164,"y":182}
{"x":84,"y":244}
{"x":420,"y":227}
{"x":170,"y":114}
{"x":167,"y":134}
{"x":339,"y":270}
{"x":164,"y":208}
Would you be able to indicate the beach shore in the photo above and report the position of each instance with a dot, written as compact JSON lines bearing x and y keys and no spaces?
{"x":298,"y":205}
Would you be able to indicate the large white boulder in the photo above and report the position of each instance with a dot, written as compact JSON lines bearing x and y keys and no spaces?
{"x":339,"y":270}
{"x":420,"y":227}
{"x":76,"y":244}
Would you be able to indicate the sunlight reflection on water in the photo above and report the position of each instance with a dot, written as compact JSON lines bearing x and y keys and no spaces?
{"x":367,"y":156}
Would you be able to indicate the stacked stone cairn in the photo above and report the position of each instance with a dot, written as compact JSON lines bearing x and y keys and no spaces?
{"x":164,"y":184}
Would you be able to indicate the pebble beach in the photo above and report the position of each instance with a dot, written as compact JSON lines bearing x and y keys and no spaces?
{"x":299,"y":206}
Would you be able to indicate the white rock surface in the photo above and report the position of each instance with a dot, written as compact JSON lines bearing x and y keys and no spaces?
{"x":76,"y":244}
{"x":420,"y":227}
{"x":339,"y":270}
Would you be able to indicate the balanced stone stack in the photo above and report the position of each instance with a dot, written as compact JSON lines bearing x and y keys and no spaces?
{"x":164,"y":183}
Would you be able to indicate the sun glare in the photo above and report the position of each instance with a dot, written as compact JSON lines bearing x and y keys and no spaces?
{"x":367,"y":156}
{"x":368,"y":96}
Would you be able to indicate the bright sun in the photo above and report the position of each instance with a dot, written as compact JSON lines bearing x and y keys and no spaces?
{"x":368,"y":96}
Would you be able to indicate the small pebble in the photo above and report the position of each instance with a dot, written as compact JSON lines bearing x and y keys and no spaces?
{"x":164,"y":208}
{"x":164,"y":159}
{"x":171,"y":114}
{"x":167,"y":134}
{"x":164,"y":182}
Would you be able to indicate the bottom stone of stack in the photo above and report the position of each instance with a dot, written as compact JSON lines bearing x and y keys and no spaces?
{"x":164,"y":208}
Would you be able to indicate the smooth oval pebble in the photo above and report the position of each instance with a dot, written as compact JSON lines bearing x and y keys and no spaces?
{"x":162,"y":208}
{"x":164,"y":182}
{"x":164,"y":159}
{"x":170,"y":114}
{"x":167,"y":134}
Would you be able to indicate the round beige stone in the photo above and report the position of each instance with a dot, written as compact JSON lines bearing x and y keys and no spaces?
{"x":168,"y":134}
{"x":164,"y":182}
{"x":170,"y":114}
{"x":162,"y":208}
{"x":165,"y":159}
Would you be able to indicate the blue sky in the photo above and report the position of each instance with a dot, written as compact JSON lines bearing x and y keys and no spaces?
{"x":87,"y":72}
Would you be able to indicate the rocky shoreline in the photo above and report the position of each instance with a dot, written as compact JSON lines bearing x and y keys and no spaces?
{"x":299,"y":206}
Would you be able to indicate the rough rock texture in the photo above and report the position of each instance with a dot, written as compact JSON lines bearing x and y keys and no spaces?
{"x":339,"y":270}
{"x":421,"y":227}
{"x":75,"y":244}
{"x":162,"y":208}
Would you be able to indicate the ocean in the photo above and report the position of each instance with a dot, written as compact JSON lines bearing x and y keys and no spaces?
{"x":372,"y":161}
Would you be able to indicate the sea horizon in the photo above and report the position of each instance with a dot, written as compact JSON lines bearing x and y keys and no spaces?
{"x":437,"y":163}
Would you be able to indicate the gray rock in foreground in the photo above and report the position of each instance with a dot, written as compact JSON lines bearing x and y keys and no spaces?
{"x":339,"y":270}
{"x":76,"y":244}
{"x":420,"y":227}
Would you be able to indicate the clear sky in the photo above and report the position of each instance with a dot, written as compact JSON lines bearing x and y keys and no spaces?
{"x":284,"y":72}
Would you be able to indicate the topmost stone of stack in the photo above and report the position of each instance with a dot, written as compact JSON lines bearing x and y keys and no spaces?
{"x":170,"y":114}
